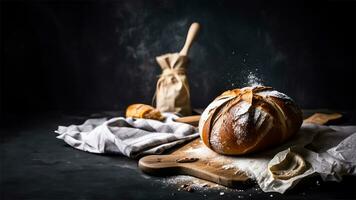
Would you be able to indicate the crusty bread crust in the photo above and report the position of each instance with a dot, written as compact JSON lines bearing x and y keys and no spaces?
{"x":143,"y":111}
{"x":247,"y":120}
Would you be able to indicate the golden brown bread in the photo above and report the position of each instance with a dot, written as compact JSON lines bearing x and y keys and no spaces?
{"x":143,"y":111}
{"x":250,"y":119}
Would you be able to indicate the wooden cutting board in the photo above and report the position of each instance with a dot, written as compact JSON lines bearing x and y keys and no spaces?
{"x":194,"y":159}
{"x":197,"y":160}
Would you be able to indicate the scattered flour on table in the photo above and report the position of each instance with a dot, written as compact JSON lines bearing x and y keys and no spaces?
{"x":201,"y":152}
{"x":183,"y":182}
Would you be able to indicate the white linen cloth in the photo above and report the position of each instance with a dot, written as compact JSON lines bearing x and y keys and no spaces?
{"x":127,"y":136}
{"x":329,"y":151}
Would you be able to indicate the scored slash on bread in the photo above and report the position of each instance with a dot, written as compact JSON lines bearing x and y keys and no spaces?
{"x":247,"y":120}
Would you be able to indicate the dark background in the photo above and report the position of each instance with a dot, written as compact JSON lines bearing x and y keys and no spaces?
{"x":99,"y":55}
{"x":65,"y":61}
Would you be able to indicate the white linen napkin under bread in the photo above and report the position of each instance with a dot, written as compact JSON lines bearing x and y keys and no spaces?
{"x":127,"y":136}
{"x":328,"y":151}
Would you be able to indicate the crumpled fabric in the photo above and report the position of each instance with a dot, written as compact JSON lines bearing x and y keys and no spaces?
{"x":325,"y":150}
{"x":127,"y":136}
{"x":328,"y":151}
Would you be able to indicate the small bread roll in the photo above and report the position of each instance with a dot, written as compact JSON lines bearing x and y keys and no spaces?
{"x":247,"y":120}
{"x":143,"y":111}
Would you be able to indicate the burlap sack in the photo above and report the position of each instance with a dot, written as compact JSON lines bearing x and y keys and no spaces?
{"x":172,"y":90}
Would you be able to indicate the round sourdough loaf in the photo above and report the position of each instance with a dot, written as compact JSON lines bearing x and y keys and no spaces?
{"x":250,"y":119}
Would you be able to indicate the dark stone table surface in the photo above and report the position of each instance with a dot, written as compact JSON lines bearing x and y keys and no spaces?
{"x":36,"y":165}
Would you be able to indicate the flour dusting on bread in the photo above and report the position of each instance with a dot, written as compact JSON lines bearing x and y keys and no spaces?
{"x":249,"y":119}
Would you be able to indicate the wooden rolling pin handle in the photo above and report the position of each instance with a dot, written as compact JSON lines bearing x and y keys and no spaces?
{"x":193,"y":31}
{"x":192,"y":120}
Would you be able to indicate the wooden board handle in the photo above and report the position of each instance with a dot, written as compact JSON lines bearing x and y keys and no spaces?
{"x":322,"y":118}
{"x":168,"y":165}
{"x":193,"y":31}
